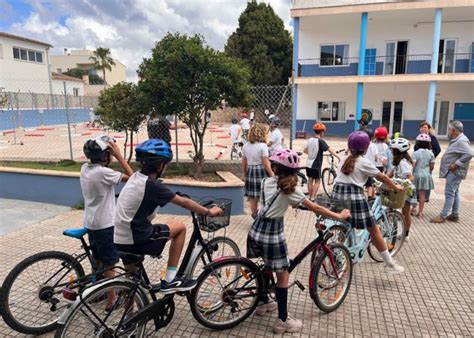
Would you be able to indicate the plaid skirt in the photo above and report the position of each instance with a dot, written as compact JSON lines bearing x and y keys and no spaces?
{"x":266,"y":239}
{"x":253,"y":180}
{"x":362,"y":217}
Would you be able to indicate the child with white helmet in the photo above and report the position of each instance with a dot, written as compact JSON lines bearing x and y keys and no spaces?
{"x":403,"y":169}
{"x":423,"y":163}
{"x":266,"y":237}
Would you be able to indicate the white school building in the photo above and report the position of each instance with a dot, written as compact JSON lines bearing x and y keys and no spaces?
{"x":405,"y":62}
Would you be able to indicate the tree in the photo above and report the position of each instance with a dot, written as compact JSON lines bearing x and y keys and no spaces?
{"x":263,"y":43}
{"x":79,"y":73}
{"x":121,"y":108}
{"x":188,"y":78}
{"x":102,"y":60}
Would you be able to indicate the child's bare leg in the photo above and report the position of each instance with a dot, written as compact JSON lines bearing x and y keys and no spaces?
{"x":421,"y":196}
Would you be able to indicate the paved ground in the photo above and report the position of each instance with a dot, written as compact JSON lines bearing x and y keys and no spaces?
{"x":433,"y":297}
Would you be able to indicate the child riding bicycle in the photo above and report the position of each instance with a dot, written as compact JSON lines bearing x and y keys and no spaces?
{"x":266,"y":237}
{"x":352,"y":174}
{"x":136,"y":207}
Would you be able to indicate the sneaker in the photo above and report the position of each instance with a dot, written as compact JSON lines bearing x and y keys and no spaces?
{"x":438,"y":219}
{"x":266,"y":307}
{"x":407,"y":238}
{"x":178,"y":284}
{"x":290,"y":325}
{"x":393,"y":268}
{"x":453,"y":218}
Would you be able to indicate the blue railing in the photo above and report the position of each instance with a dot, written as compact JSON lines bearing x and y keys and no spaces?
{"x":386,"y":65}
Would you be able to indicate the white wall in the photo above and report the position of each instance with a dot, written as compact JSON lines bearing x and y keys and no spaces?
{"x":415,"y":26}
{"x":23,"y":75}
{"x":414,"y":97}
{"x":58,"y":87}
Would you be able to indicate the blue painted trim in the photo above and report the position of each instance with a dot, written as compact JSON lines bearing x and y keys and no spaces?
{"x":359,"y":101}
{"x":436,"y":38}
{"x":462,"y":66}
{"x":67,"y":191}
{"x":362,"y":42}
{"x":431,"y":101}
{"x":316,"y":70}
{"x":294,"y":89}
{"x":464,"y":111}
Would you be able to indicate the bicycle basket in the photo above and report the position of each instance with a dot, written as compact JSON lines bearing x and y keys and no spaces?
{"x":391,"y":198}
{"x":335,"y":205}
{"x":210,"y":223}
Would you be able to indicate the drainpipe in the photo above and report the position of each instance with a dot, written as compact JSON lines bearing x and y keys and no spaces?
{"x":49,"y":78}
{"x":294,"y":88}
{"x":361,"y":68}
{"x":434,"y":65}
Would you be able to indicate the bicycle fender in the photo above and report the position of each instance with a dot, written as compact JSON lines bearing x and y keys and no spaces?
{"x":70,"y":309}
{"x":224,"y":258}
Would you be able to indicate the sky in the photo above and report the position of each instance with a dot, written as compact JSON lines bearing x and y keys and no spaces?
{"x":129,"y":28}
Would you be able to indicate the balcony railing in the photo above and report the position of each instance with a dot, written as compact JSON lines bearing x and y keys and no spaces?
{"x":386,"y":65}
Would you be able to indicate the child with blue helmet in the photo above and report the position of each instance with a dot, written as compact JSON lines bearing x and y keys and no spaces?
{"x":136,"y":205}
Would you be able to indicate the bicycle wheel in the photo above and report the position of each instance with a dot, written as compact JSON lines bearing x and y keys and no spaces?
{"x":91,"y":318}
{"x":303,"y":182}
{"x":234,"y":153}
{"x":339,"y":235}
{"x":226,"y":294}
{"x":330,"y":278}
{"x":393,"y":232}
{"x":328,"y":177}
{"x":220,"y":247}
{"x":31,"y":298}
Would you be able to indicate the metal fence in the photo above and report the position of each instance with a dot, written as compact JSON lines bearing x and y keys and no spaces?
{"x":36,"y":125}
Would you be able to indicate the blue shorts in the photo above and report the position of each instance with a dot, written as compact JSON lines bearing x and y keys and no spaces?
{"x":102,"y":246}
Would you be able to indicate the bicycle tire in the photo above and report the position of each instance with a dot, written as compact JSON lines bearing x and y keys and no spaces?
{"x":233,"y":154}
{"x":121,"y":288}
{"x":19,"y":323}
{"x":393,"y":233}
{"x":328,"y":177}
{"x":216,"y":244}
{"x":316,"y":281}
{"x":303,"y":182}
{"x":248,"y":273}
{"x":339,"y":236}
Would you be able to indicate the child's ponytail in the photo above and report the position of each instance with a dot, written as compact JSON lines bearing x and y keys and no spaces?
{"x":287,"y":184}
{"x":349,"y":163}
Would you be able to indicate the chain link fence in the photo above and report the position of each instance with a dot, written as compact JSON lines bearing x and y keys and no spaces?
{"x":43,"y":121}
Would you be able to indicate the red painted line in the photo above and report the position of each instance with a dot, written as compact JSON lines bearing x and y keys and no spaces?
{"x":95,"y":129}
{"x":85,"y":134}
{"x":223,"y":137}
{"x":35,"y":135}
{"x":219,"y":156}
{"x":181,"y":144}
{"x":220,"y":146}
{"x":8,"y":132}
{"x":44,"y":128}
{"x":118,"y":136}
{"x":216,"y":130}
{"x":133,"y":145}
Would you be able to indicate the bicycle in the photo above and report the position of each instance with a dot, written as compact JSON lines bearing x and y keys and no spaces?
{"x":236,"y":151}
{"x":358,"y":241}
{"x":132,"y":309}
{"x":229,"y":289}
{"x":328,"y":175}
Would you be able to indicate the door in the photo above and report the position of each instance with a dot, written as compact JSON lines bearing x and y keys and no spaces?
{"x":446,"y":58}
{"x":441,"y":117}
{"x":392,"y":116}
{"x":396,"y":57}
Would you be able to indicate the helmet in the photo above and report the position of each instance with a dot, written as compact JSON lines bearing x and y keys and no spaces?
{"x":244,"y":114}
{"x":358,"y":141}
{"x":152,"y":152}
{"x":381,"y":133}
{"x":401,"y":144}
{"x":319,"y":127}
{"x":287,"y":158}
{"x":274,"y":120}
{"x":423,"y":137}
{"x":95,"y":148}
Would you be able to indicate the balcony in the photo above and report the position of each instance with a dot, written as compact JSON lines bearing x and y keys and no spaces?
{"x":386,"y":65}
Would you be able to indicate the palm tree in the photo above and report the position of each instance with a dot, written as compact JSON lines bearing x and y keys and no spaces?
{"x":102,"y":60}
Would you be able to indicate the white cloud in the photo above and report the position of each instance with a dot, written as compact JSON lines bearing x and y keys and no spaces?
{"x":130,"y":28}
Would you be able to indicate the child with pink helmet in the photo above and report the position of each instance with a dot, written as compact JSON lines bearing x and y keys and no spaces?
{"x":266,"y":237}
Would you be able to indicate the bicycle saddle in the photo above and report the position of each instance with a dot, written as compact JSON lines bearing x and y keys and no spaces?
{"x":75,"y":233}
{"x":130,"y":257}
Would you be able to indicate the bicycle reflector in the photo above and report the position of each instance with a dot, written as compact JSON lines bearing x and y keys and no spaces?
{"x":69,"y":294}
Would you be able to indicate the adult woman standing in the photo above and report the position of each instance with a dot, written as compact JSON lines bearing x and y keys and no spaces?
{"x":255,"y":164}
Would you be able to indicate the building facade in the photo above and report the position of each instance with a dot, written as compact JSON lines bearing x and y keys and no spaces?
{"x":81,"y":59}
{"x":24,"y":64}
{"x":405,"y":62}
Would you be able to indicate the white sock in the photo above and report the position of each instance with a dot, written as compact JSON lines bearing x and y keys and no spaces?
{"x":170,"y":273}
{"x":386,"y":257}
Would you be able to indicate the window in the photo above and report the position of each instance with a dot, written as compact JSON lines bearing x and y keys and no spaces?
{"x":334,"y":55}
{"x":75,"y":91}
{"x":59,"y":70}
{"x":27,"y":55}
{"x":332,"y":111}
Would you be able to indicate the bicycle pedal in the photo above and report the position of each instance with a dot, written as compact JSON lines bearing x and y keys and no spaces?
{"x":301,"y":286}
